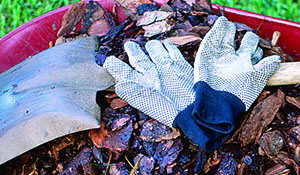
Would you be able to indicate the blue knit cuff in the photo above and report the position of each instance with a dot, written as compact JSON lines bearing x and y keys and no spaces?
{"x":216,"y":110}
{"x":210,"y":119}
{"x":205,"y":138}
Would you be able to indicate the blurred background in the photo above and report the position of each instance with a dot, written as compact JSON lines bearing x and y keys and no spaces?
{"x":16,"y":12}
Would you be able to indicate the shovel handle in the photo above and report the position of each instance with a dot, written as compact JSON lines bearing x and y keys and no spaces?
{"x":287,"y":74}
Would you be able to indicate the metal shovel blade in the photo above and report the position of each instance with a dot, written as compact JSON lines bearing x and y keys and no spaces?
{"x":50,"y":95}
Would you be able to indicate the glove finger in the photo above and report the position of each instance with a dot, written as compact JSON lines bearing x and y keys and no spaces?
{"x":210,"y":48}
{"x":249,"y":44}
{"x":174,"y":52}
{"x":157,"y":52}
{"x":228,"y":40}
{"x":267,"y":66}
{"x":178,"y":58}
{"x":215,"y":36}
{"x":118,"y":69}
{"x":257,"y":56}
{"x":137,"y":57}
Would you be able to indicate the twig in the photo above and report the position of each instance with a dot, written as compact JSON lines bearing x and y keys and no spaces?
{"x":258,"y":28}
{"x":128,"y":162}
{"x":136,"y":166}
{"x":23,"y":169}
{"x":110,"y":157}
{"x":189,"y":163}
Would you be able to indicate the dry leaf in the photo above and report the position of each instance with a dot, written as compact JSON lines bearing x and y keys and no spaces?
{"x":262,"y":95}
{"x":243,"y":27}
{"x":115,"y":141}
{"x":63,"y":39}
{"x":119,"y":123}
{"x":228,"y":165}
{"x":203,"y":3}
{"x":284,"y":158}
{"x":297,"y":154}
{"x":118,"y":169}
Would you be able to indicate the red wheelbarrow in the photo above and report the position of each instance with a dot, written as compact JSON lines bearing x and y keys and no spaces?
{"x":34,"y":36}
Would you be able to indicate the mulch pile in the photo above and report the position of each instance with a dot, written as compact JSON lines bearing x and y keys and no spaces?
{"x":266,"y":139}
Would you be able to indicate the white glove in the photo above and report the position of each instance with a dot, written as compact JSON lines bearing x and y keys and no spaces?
{"x":160,"y":85}
{"x":242,"y":73}
{"x":226,"y":84}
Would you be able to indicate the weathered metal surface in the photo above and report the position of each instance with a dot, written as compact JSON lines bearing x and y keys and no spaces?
{"x":50,"y":95}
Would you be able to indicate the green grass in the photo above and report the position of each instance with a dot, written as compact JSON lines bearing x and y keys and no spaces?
{"x":16,"y":12}
{"x":284,"y":9}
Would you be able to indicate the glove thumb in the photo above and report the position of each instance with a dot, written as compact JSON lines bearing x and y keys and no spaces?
{"x":268,"y":66}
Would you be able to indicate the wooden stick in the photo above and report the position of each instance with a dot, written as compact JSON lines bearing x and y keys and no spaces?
{"x":275,"y":38}
{"x":287,"y":74}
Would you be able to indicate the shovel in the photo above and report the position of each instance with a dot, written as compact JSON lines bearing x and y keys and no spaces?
{"x":50,"y":95}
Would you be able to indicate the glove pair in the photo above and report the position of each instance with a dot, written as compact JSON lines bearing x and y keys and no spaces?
{"x":205,"y":101}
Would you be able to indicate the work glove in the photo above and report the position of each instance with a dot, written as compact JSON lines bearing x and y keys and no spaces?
{"x":226,"y":81}
{"x":159,"y":84}
{"x":242,"y":73}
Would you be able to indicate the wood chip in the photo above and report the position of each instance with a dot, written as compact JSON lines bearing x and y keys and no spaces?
{"x":72,"y":17}
{"x":118,"y":103}
{"x":293,"y":100}
{"x":262,"y":115}
{"x":183,"y":40}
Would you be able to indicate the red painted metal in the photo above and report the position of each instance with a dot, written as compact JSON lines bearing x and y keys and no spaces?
{"x":35,"y":35}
